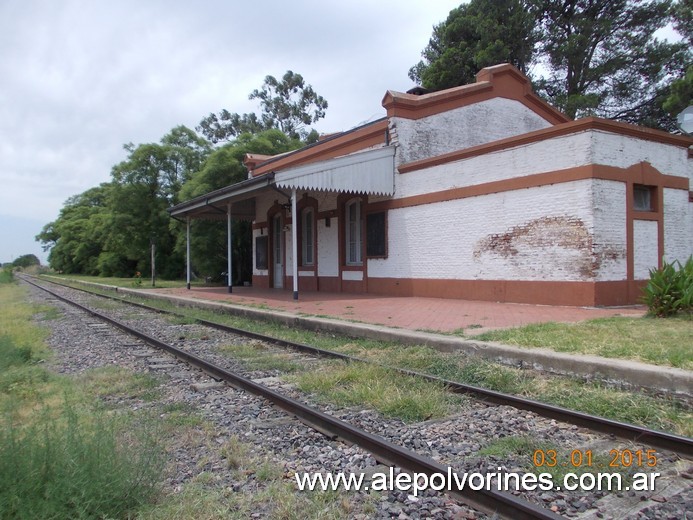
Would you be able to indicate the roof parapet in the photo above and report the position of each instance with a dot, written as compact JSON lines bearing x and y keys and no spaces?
{"x":502,"y":80}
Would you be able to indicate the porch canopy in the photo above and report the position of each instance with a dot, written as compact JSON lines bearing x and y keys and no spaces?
{"x":370,"y":172}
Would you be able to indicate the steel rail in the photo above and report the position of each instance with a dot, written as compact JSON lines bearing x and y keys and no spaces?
{"x":488,"y":500}
{"x":655,"y":438}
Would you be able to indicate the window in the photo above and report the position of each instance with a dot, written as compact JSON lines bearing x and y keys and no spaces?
{"x":376,"y":235}
{"x":307,"y":237}
{"x":261,"y":252}
{"x":353,"y":232}
{"x":643,"y":197}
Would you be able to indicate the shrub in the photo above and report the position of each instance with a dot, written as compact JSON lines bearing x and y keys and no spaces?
{"x":6,"y":275}
{"x":670,"y":289}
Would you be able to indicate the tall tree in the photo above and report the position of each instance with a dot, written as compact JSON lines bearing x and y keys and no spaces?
{"x":76,"y":238}
{"x":477,"y":35}
{"x":144,"y":185}
{"x":603,"y":57}
{"x":680,"y":95}
{"x":598,"y":57}
{"x":289,"y":105}
{"x":26,"y":261}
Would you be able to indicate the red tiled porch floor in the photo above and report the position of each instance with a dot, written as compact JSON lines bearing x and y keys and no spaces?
{"x":428,"y":314}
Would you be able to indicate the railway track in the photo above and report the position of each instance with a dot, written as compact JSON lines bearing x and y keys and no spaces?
{"x":501,"y":503}
{"x":629,"y":432}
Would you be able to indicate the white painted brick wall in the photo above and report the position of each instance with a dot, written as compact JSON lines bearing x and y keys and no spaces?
{"x":645,"y":248}
{"x":623,"y":152}
{"x":440,"y":240}
{"x":544,"y":156}
{"x":609,"y":237}
{"x":464,"y":127}
{"x":678,"y":225}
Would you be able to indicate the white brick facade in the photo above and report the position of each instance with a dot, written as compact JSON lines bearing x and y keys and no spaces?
{"x":645,"y":255}
{"x":473,"y":125}
{"x":678,"y":225}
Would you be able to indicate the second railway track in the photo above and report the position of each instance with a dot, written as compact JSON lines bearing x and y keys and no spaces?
{"x":389,"y":452}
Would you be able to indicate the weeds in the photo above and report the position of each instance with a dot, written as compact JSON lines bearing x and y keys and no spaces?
{"x":6,"y":275}
{"x":351,"y":384}
{"x":74,"y":466}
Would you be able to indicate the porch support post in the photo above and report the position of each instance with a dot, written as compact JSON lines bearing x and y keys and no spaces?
{"x":229,"y":252}
{"x":294,"y":242}
{"x":187,"y":251}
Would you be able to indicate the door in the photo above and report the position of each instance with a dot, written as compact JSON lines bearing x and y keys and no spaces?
{"x":278,"y":252}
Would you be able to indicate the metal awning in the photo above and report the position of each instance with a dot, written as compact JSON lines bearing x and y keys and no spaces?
{"x":371,"y":172}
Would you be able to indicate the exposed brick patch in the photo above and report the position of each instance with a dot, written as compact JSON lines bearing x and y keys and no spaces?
{"x":546,"y":237}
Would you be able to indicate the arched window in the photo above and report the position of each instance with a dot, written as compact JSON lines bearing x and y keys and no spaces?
{"x":307,"y":237}
{"x":353,"y":226}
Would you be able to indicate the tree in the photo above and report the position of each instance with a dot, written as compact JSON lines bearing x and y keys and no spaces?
{"x":600,"y":58}
{"x":144,"y":186}
{"x":680,"y":95}
{"x":289,"y":105}
{"x":26,"y":261}
{"x":226,"y":125}
{"x":603,"y":58}
{"x":477,"y":35}
{"x":682,"y":12}
{"x":76,"y":238}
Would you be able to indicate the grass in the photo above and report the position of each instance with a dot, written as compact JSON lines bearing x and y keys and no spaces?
{"x":73,"y":465}
{"x":357,"y":384}
{"x":651,"y":340}
{"x":255,"y":356}
{"x":268,"y":491}
{"x":119,"y":383}
{"x":512,"y":446}
{"x":276,"y":499}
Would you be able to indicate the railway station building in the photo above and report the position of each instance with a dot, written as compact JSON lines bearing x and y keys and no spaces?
{"x":480,"y":192}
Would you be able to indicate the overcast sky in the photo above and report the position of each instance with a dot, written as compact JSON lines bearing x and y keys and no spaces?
{"x":78,"y":79}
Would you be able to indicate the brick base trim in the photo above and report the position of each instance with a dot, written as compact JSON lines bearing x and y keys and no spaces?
{"x":577,"y":294}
